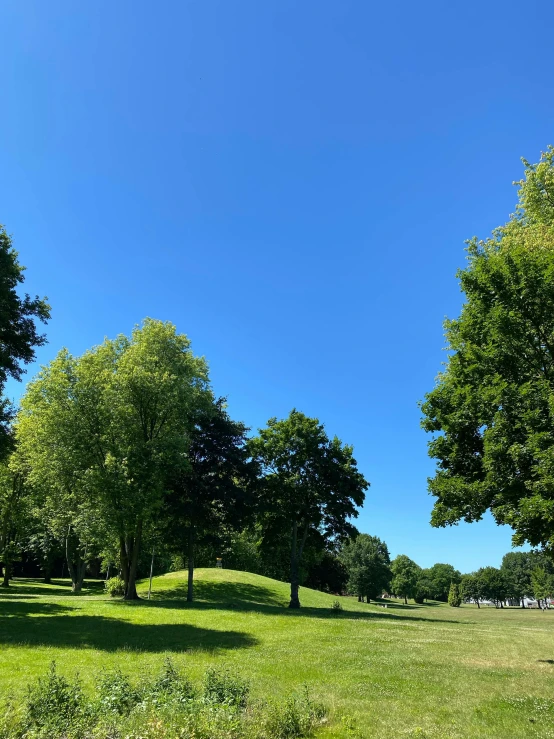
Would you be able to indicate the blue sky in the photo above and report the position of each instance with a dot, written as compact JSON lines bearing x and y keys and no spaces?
{"x":291,"y":184}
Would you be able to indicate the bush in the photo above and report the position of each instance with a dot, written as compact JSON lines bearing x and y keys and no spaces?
{"x":170,"y":685}
{"x":116,"y":694}
{"x":337,"y":605}
{"x":53,"y":702}
{"x":454,"y":596}
{"x":224,"y":688}
{"x":165,"y":707}
{"x":115,"y":587}
{"x":294,"y":718}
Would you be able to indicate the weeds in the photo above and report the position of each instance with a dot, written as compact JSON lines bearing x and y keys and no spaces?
{"x":167,"y":706}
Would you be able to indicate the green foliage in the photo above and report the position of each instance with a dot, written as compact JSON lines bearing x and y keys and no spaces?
{"x":367,"y":563}
{"x":115,"y":587}
{"x":491,"y":410}
{"x":18,"y":328}
{"x":14,"y":515}
{"x":159,"y":708}
{"x":471,"y":588}
{"x":336,"y":606}
{"x":293,"y":719}
{"x":517,"y":568}
{"x":220,"y":686}
{"x":54,"y":703}
{"x":492,"y":584}
{"x":311,"y":483}
{"x":542,"y":583}
{"x":439,"y":578}
{"x":100,"y":434}
{"x":454,"y":596}
{"x":405,"y":576}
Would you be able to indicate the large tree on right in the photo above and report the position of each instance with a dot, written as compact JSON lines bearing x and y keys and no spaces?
{"x":492,"y":409}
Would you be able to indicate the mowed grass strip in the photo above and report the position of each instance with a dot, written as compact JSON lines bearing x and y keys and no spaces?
{"x":422,"y":671}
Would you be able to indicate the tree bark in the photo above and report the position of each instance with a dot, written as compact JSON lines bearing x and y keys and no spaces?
{"x":123,"y":561}
{"x":294,"y":584}
{"x":76,"y":571}
{"x":405,"y":601}
{"x":131,"y":590}
{"x":478,"y":606}
{"x":7,"y":576}
{"x":190,"y":565}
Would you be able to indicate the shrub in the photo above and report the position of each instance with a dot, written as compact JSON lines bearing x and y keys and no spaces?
{"x":295,"y":718}
{"x":454,"y":596}
{"x":166,"y":707}
{"x":54,"y":702}
{"x":116,"y":694}
{"x":115,"y":587}
{"x":169,"y":686}
{"x":337,"y":605}
{"x":223,"y":687}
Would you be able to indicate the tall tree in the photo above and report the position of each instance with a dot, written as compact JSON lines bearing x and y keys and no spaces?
{"x":517,"y":568}
{"x":100,"y":433}
{"x":492,"y":585}
{"x":367,"y":563}
{"x":441,"y":576}
{"x":216,"y":488}
{"x":471,"y":588}
{"x":18,"y":328}
{"x":13,"y":514}
{"x":311,"y":483}
{"x":405,"y":576}
{"x":491,"y":412}
{"x":542,"y":583}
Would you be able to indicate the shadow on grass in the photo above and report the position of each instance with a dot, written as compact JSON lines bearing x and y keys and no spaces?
{"x":33,"y":587}
{"x":256,"y":598}
{"x":34,"y":624}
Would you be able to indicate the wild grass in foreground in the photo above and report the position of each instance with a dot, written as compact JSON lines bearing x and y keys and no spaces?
{"x":426,"y":671}
{"x":168,"y":706}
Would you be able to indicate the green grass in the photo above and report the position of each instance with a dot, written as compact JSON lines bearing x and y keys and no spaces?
{"x":403,"y":671}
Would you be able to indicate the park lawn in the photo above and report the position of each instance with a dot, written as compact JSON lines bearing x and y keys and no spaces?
{"x":403,"y":671}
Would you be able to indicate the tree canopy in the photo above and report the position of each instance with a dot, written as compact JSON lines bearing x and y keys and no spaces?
{"x":367,"y":563}
{"x":19,"y":335}
{"x":311,"y":483}
{"x":491,"y":412}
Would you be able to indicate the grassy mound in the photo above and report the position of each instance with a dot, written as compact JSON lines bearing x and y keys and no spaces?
{"x":418,"y":670}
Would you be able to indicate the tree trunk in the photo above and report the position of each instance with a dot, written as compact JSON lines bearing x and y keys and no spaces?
{"x":405,"y":601}
{"x":76,"y":572}
{"x":294,"y":584}
{"x":123,"y":561}
{"x":523,"y":603}
{"x":131,"y":591}
{"x":190,"y":565}
{"x":7,"y":576}
{"x":478,"y":606}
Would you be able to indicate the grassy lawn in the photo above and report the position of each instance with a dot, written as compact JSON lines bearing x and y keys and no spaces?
{"x":421,"y":671}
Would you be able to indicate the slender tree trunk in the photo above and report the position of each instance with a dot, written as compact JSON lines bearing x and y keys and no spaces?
{"x":151,"y":575}
{"x":523,"y":603}
{"x":405,"y":601}
{"x":478,"y":606}
{"x":123,"y":561}
{"x":74,"y":570}
{"x":190,"y":564}
{"x":131,"y":591}
{"x":7,"y":575}
{"x":294,"y":584}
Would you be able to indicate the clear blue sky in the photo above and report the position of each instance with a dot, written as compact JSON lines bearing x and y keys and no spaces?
{"x":291,"y":183}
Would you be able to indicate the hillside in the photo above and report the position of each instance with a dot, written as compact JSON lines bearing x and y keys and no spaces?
{"x":413,"y":671}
